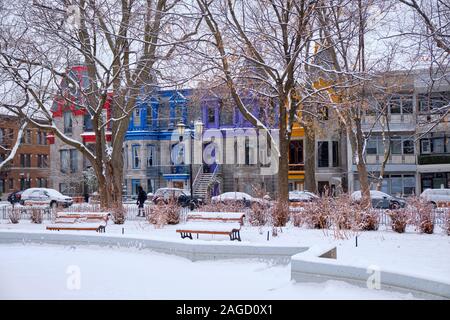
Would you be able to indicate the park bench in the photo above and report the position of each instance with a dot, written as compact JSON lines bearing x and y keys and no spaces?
{"x":81,"y":221}
{"x":223,"y":223}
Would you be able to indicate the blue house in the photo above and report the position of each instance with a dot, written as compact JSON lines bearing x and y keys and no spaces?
{"x":155,"y":156}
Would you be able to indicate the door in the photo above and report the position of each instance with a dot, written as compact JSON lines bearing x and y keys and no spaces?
{"x":209,"y":157}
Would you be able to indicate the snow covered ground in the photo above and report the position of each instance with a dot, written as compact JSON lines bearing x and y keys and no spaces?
{"x":22,"y":267}
{"x":90,"y":272}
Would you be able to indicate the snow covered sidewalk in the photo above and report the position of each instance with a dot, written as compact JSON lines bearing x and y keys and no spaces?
{"x":79,"y":272}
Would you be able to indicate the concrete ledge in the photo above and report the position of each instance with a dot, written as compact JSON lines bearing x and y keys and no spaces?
{"x":319,"y":264}
{"x":193,"y":250}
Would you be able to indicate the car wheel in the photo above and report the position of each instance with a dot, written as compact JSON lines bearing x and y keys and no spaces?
{"x":434,"y":204}
{"x":395,"y":205}
{"x":53,"y":205}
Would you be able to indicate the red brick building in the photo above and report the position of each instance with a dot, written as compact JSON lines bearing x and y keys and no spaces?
{"x":31,"y":164}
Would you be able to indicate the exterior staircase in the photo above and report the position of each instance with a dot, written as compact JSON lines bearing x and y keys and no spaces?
{"x":203,"y":181}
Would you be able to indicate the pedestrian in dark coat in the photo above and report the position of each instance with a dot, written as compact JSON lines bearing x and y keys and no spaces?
{"x":142,"y":197}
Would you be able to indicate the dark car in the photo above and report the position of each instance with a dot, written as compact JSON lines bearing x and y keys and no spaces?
{"x":15,"y":197}
{"x":381,"y":200}
{"x":183,"y":198}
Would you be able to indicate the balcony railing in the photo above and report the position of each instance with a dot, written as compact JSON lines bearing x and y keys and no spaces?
{"x":434,"y":159}
{"x":297,"y":167}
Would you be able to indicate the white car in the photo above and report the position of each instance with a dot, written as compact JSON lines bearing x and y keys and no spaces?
{"x":302,"y":196}
{"x":239,"y":197}
{"x":437,"y":196}
{"x":45,"y":195}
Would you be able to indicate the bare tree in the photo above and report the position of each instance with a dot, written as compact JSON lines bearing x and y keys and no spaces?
{"x":271,"y":39}
{"x":124,"y":45}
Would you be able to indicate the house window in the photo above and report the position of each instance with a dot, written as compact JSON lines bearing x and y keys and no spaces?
{"x":227,"y":113}
{"x":41,"y":182}
{"x":68,"y":159}
{"x":73,"y":160}
{"x":26,"y":137}
{"x":296,"y":152}
{"x":335,"y":153}
{"x":371,"y":147}
{"x":11,"y":184}
{"x":322,"y":154}
{"x":150,"y":155}
{"x":67,"y":122}
{"x":151,"y":185}
{"x":211,"y":115}
{"x":137,"y":117}
{"x":25,"y":160}
{"x":135,"y":183}
{"x":425,"y":146}
{"x":2,"y":135}
{"x":408,"y":147}
{"x":42,"y":161}
{"x":438,"y":145}
{"x":2,"y":186}
{"x":135,"y":152}
{"x":87,"y":122}
{"x":396,"y":145}
{"x":401,"y":104}
{"x":25,"y":183}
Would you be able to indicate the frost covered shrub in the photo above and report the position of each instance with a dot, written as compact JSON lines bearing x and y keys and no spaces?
{"x":162,"y":214}
{"x":279,"y":213}
{"x":316,"y":214}
{"x":297,"y":216}
{"x":369,"y":220}
{"x":259,"y":214}
{"x":399,"y":219}
{"x":36,"y":216}
{"x":14,"y":215}
{"x":447,"y":221}
{"x":421,"y":214}
{"x":343,"y":214}
{"x":119,"y":214}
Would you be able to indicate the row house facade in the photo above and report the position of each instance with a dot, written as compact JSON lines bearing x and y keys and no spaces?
{"x":31,"y":165}
{"x":153,"y":144}
{"x":419,"y":135}
{"x":68,"y":166}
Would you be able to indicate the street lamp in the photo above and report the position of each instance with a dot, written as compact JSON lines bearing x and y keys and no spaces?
{"x":198,"y":129}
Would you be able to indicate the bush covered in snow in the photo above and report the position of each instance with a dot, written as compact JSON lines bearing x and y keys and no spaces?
{"x":421,"y":213}
{"x":369,"y":220}
{"x":259,"y":214}
{"x":119,"y":213}
{"x":447,"y":222}
{"x":399,"y":219}
{"x":279,"y":213}
{"x":37,"y":215}
{"x":163,"y":213}
{"x":14,"y":215}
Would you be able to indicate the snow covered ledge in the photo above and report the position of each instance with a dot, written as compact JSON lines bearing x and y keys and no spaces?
{"x":319,"y":264}
{"x":193,"y":250}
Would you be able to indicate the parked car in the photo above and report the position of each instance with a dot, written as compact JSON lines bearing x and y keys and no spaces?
{"x":302,"y":196}
{"x":183,"y":197}
{"x":436,"y":197}
{"x":15,"y":197}
{"x":50,"y":196}
{"x":381,"y":200}
{"x":241,"y":197}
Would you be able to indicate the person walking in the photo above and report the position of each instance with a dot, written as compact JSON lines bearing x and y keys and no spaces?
{"x":142,"y":197}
